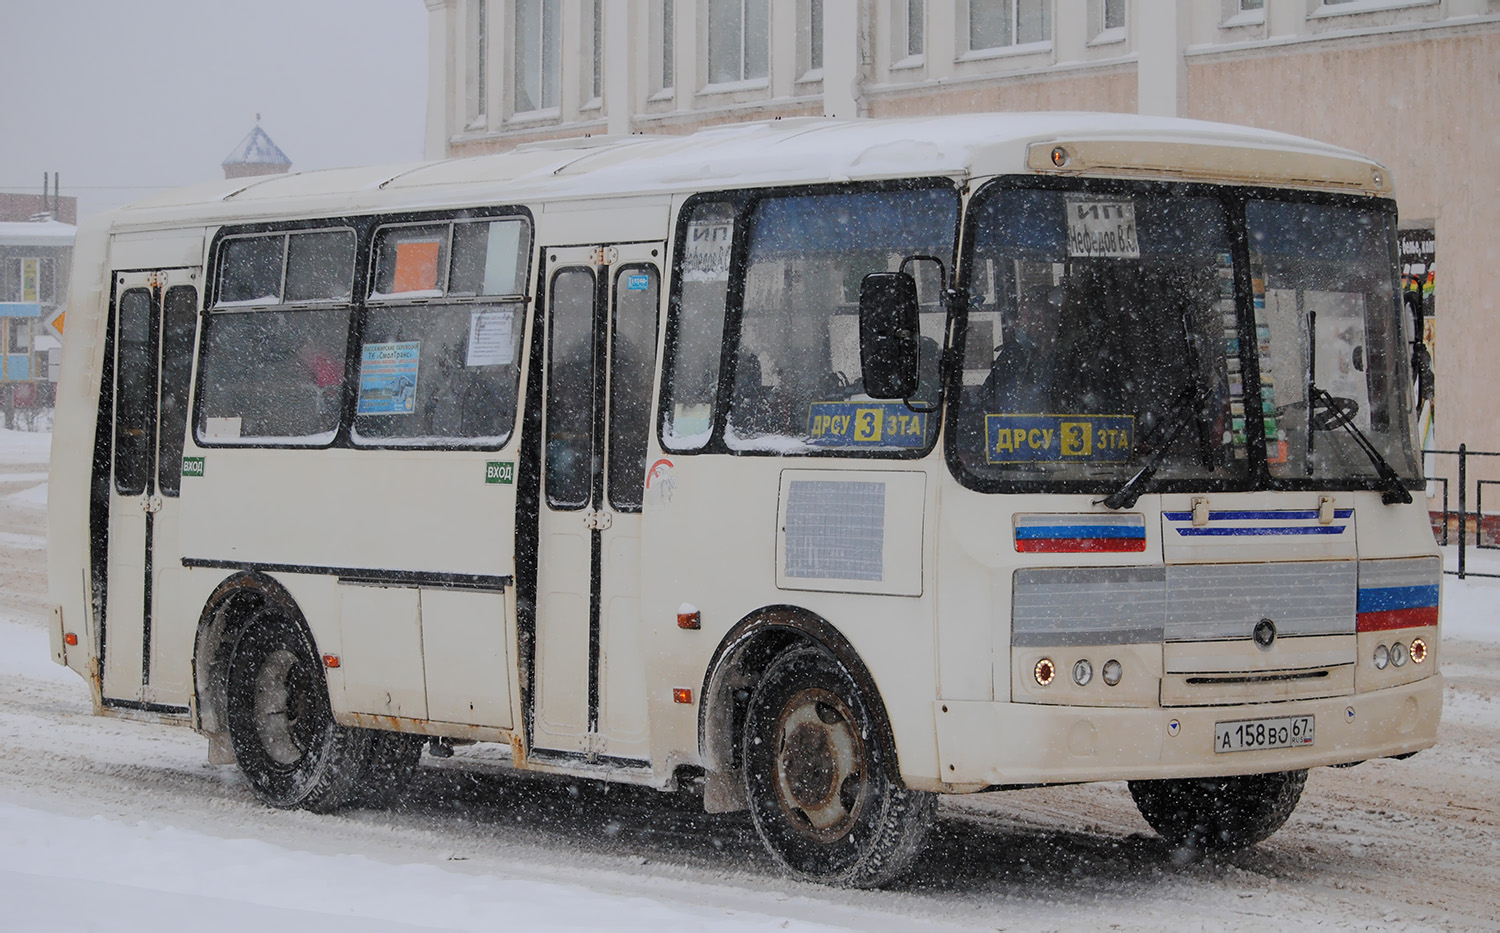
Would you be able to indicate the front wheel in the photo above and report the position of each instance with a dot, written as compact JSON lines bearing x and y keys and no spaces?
{"x":817,"y":781}
{"x":1219,"y":814}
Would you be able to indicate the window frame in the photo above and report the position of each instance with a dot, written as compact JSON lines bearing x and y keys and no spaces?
{"x":744,"y":202}
{"x":543,"y":108}
{"x":743,"y":81}
{"x":1015,"y":47}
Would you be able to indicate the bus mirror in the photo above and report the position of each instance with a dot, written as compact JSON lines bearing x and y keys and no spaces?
{"x":888,"y":331}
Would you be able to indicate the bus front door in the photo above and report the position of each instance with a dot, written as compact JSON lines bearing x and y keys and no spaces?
{"x":155,"y":324}
{"x":589,"y":684}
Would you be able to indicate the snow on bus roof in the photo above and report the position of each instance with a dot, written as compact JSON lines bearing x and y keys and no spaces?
{"x":802,"y":150}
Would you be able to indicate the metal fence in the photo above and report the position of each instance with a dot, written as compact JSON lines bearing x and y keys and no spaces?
{"x":1481,"y":531}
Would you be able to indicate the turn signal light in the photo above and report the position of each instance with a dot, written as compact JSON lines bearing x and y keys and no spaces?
{"x":330,"y":660}
{"x":1045,"y":670}
{"x":690,"y":620}
{"x":682,"y":695}
{"x":70,"y":639}
{"x":1418,"y":650}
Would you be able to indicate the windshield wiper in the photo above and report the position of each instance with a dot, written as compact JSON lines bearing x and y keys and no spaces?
{"x":1185,"y":411}
{"x":1338,"y":412}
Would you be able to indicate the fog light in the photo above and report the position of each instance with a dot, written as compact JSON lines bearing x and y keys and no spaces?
{"x":1045,"y":671}
{"x":1398,"y":654}
{"x":1418,"y":650}
{"x":1382,"y":657}
{"x":1113,"y":671}
{"x":1083,"y":672}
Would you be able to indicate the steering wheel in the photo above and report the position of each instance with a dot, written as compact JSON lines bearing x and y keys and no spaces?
{"x":1332,"y":411}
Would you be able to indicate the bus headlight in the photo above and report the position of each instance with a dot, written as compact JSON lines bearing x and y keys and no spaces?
{"x":1045,"y":670}
{"x":1083,"y":672}
{"x":1113,"y":671}
{"x":1398,"y":654}
{"x":1382,"y":657}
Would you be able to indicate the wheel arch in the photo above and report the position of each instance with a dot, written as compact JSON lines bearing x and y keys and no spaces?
{"x":233,"y":606}
{"x":742,"y":656}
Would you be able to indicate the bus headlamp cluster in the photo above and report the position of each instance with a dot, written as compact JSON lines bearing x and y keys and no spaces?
{"x":1398,"y":654}
{"x":1083,"y":672}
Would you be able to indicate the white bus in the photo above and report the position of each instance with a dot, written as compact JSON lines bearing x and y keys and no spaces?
{"x":822,"y":467}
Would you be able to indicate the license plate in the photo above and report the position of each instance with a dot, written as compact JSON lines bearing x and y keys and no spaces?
{"x":1252,"y":734}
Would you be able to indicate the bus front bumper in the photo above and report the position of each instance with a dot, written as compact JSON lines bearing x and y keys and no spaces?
{"x":984,"y":743}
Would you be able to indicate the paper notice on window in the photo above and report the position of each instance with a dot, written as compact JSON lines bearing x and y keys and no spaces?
{"x":388,"y":378}
{"x":491,"y":338}
{"x":1102,"y":230}
{"x":416,"y":266}
{"x":706,"y":258}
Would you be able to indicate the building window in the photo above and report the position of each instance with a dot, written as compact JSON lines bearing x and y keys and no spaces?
{"x":810,"y":35}
{"x":739,"y":40}
{"x":998,"y":24}
{"x":1106,"y":21}
{"x":908,"y":29}
{"x":476,"y":68}
{"x":664,"y":27}
{"x":537,"y":54}
{"x":594,"y":29}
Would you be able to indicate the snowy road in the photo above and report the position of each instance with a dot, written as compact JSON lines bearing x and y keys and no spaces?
{"x":114,"y":825}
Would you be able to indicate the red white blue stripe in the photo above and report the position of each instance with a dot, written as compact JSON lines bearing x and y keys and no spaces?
{"x":1080,"y":534}
{"x":1395,"y":594}
{"x":1260,"y":523}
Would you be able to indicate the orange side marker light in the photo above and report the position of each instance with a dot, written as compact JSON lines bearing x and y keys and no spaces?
{"x":70,"y":639}
{"x":682,"y":695}
{"x":330,"y":660}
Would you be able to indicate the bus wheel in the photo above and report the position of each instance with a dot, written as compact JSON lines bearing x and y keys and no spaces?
{"x":816,"y":778}
{"x":1219,"y":814}
{"x":280,"y":724}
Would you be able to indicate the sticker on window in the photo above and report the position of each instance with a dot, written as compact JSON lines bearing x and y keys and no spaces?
{"x":866,"y":424}
{"x":491,"y":338}
{"x":1102,"y":230}
{"x":707,"y":254}
{"x":1058,"y":438}
{"x":416,"y":266}
{"x":638,"y":282}
{"x":388,"y":378}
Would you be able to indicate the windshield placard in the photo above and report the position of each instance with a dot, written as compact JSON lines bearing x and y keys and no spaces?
{"x":1102,"y":230}
{"x":862,"y":424}
{"x":1059,"y":438}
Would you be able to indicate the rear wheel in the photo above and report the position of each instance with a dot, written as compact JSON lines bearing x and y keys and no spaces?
{"x":1218,"y":814}
{"x":816,"y":778}
{"x":280,"y":724}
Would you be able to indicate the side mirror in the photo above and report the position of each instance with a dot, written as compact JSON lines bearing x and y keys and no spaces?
{"x":889,"y":326}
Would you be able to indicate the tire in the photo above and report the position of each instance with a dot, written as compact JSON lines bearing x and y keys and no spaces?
{"x":389,"y":768}
{"x":280,"y":724}
{"x":1219,"y":814}
{"x":816,"y":778}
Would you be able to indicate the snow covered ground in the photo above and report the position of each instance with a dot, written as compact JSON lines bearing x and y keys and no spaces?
{"x":108,"y":824}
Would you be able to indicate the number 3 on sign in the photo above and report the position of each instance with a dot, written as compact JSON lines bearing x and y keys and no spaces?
{"x":867,"y":424}
{"x":1077,"y":438}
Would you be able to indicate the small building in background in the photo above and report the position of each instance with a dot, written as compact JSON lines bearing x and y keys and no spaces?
{"x":256,"y":155}
{"x":36,"y":258}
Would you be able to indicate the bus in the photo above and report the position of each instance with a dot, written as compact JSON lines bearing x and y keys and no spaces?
{"x":817,"y":467}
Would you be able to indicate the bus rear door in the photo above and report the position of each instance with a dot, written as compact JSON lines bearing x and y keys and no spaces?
{"x":155,"y":325}
{"x":589,"y":691}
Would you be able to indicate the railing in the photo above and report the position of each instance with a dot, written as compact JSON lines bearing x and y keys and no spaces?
{"x":1463,"y":453}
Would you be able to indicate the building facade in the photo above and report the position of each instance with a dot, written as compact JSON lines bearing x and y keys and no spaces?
{"x":1414,"y":83}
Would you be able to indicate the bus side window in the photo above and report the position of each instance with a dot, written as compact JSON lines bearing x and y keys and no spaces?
{"x":696,"y":331}
{"x":179,"y":327}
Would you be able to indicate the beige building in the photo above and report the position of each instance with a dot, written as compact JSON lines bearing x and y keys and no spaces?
{"x":1415,"y":83}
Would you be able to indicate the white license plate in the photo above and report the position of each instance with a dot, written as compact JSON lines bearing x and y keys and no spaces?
{"x":1250,"y":734}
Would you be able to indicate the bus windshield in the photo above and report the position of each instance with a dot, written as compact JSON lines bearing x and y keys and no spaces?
{"x":1104,"y":336}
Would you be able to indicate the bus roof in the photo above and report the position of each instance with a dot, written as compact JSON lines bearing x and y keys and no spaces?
{"x":797,"y":151}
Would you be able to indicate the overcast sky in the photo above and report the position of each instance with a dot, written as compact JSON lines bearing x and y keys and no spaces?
{"x":126,"y":96}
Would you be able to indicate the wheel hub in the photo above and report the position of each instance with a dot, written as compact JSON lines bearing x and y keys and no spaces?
{"x":280,"y":720}
{"x":819,"y":780}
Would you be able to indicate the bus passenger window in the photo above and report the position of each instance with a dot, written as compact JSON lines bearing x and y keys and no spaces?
{"x":272,"y":376}
{"x":410,"y":261}
{"x":697,"y":329}
{"x":250,"y":271}
{"x":489,"y":258}
{"x":438,"y":375}
{"x":320,"y":266}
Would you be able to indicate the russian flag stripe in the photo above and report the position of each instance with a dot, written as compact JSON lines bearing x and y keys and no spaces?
{"x":1389,"y":598}
{"x":1081,"y":531}
{"x":1119,"y":545}
{"x":1397,"y":618}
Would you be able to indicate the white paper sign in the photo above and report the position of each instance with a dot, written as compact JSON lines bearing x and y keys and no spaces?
{"x":707,"y":253}
{"x":491,"y":338}
{"x":1102,"y":229}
